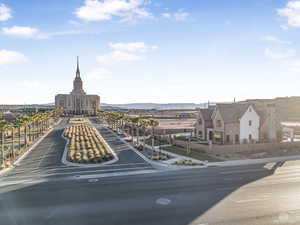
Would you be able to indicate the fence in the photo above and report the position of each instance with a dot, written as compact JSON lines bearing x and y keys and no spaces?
{"x":259,"y":147}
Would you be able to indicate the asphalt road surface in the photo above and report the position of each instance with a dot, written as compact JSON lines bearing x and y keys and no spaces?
{"x":44,"y":162}
{"x":42,"y":191}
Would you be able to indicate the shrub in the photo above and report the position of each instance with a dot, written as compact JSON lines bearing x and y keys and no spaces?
{"x":86,"y":145}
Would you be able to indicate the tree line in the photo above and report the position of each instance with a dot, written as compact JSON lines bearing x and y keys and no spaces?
{"x":18,"y":135}
{"x":120,"y":122}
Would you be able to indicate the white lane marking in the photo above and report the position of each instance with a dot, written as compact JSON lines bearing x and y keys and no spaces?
{"x":90,"y":176}
{"x":163,"y":201}
{"x":93,"y":176}
{"x":93,"y":180}
{"x":80,"y":172}
{"x":242,"y":171}
{"x":270,"y":165}
{"x":55,"y":168}
{"x":8,"y":183}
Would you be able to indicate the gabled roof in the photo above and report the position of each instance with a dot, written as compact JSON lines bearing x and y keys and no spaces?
{"x":231,"y":113}
{"x":207,"y":113}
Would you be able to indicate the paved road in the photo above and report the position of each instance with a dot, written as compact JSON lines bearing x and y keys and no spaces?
{"x":250,"y":195}
{"x":44,"y":162}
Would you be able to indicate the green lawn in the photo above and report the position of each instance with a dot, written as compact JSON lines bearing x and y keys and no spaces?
{"x":193,"y":154}
{"x":156,"y":142}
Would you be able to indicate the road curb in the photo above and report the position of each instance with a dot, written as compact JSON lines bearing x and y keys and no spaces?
{"x":254,"y":161}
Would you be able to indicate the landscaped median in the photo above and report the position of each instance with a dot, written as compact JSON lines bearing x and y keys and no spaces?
{"x":79,"y":120}
{"x":86,"y":145}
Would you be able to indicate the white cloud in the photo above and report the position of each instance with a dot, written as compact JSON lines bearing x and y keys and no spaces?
{"x":11,"y":57}
{"x":98,"y":74}
{"x":166,"y":15}
{"x":5,"y":12}
{"x":73,"y":22}
{"x":292,"y":13}
{"x":57,"y":33}
{"x":274,"y":39}
{"x":180,"y":15}
{"x":31,"y":84}
{"x":99,"y":10}
{"x":294,"y":65}
{"x":30,"y":32}
{"x":118,"y":56}
{"x":126,"y":52}
{"x":284,"y":27}
{"x":282,"y":54}
{"x":17,"y":31}
{"x":132,"y":47}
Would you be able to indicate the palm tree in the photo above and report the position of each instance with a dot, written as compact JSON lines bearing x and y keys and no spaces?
{"x":26,"y":131}
{"x":12,"y":154}
{"x":135,"y":124}
{"x":153,"y":123}
{"x":3,"y":128}
{"x":144,"y":125}
{"x":127,"y":122}
{"x":19,"y":124}
{"x":26,"y":123}
{"x":119,"y":118}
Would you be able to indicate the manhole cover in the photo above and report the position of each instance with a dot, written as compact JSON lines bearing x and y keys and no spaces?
{"x":163,"y":201}
{"x":92,"y":180}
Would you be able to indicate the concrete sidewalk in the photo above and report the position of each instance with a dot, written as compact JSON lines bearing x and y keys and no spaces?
{"x":254,"y":161}
{"x":176,"y":157}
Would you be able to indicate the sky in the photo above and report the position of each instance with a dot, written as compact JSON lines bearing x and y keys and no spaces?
{"x":159,"y":51}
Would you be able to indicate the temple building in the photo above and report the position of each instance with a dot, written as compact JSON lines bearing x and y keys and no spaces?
{"x":78,"y":102}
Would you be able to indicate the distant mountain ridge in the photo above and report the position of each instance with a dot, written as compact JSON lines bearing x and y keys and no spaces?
{"x":156,"y":105}
{"x":147,"y":106}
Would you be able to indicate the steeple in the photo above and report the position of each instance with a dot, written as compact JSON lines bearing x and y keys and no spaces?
{"x":77,"y":70}
{"x":77,"y":83}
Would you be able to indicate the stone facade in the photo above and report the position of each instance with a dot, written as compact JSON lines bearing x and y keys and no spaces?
{"x":234,"y":123}
{"x":203,"y":123}
{"x":78,"y":102}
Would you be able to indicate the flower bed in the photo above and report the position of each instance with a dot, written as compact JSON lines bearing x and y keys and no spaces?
{"x":161,"y":157}
{"x":78,"y":120}
{"x":185,"y":162}
{"x":86,"y":145}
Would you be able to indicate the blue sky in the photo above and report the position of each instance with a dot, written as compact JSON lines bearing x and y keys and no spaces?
{"x":150,"y":51}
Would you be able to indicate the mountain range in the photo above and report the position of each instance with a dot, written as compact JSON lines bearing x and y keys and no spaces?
{"x":155,"y":105}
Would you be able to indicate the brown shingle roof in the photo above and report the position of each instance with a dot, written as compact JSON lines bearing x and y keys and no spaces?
{"x":231,"y":113}
{"x":206,"y":113}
